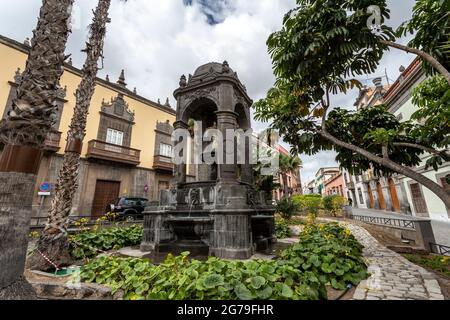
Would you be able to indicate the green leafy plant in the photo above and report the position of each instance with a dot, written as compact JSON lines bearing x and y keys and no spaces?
{"x":179,"y":278}
{"x":333,"y":204}
{"x":282,"y":229}
{"x":327,"y":255}
{"x":309,"y":203}
{"x":438,"y":263}
{"x":286,"y":208}
{"x":90,"y":243}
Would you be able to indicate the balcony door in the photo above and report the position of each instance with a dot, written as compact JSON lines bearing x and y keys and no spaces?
{"x":105,"y":193}
{"x":114,"y":137}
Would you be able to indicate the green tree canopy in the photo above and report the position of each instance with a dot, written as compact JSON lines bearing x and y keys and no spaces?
{"x":322,"y":46}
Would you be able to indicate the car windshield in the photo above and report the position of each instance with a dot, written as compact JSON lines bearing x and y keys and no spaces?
{"x":134,"y":201}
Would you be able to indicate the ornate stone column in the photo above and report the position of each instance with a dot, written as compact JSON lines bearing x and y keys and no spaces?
{"x":180,"y":169}
{"x":386,"y":194}
{"x":405,"y":207}
{"x":226,"y":120}
{"x":374,"y":193}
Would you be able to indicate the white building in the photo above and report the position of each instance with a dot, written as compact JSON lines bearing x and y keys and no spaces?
{"x":421,"y":201}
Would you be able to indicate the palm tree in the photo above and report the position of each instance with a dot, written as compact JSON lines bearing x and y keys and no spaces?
{"x":23,"y":133}
{"x":287,"y":164}
{"x":53,"y":242}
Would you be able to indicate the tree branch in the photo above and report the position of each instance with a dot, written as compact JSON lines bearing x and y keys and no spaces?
{"x":427,"y":57}
{"x":418,"y":146}
{"x":420,"y":178}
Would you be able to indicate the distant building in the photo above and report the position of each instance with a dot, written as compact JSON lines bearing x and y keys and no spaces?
{"x":310,"y":187}
{"x":294,"y":183}
{"x":322,"y":175}
{"x":334,"y":185}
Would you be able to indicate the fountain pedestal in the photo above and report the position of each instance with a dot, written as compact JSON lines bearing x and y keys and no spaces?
{"x":220,"y":214}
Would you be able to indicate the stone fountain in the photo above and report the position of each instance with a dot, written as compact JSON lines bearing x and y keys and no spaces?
{"x":220,"y":213}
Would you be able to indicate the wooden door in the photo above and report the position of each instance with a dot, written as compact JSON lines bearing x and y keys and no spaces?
{"x":381,"y":200}
{"x":371,"y":201}
{"x":162,"y":185}
{"x":394,"y":197}
{"x":105,"y":192}
{"x":418,"y":200}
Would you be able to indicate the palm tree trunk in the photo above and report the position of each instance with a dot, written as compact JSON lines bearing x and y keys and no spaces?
{"x":285,"y":185}
{"x":23,"y":133}
{"x":53,"y":241}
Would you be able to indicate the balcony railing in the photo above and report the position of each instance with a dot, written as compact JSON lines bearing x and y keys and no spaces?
{"x":162,"y":163}
{"x":52,"y":141}
{"x":107,"y":151}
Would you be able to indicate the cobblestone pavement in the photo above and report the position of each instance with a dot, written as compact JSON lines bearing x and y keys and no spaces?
{"x":393,"y":277}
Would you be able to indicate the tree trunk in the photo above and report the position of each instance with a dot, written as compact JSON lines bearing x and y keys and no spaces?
{"x":285,"y":185}
{"x":406,"y":171}
{"x":427,"y":57}
{"x":23,"y":132}
{"x":53,"y":241}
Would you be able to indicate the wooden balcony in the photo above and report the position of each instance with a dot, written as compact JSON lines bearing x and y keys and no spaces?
{"x":52,"y":141}
{"x":111,"y":152}
{"x":162,"y":163}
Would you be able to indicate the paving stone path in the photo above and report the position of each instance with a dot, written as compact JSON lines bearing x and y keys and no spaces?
{"x":393,"y":277}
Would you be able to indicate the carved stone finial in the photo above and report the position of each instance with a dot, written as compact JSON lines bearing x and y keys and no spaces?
{"x":107,"y":77}
{"x":70,"y":62}
{"x":18,"y":76}
{"x":225,"y":67}
{"x":27,"y":42}
{"x":159,"y":101}
{"x":121,"y":80}
{"x":61,"y":92}
{"x":135,"y":90}
{"x":183,"y":82}
{"x":167,"y":104}
{"x":190,"y":77}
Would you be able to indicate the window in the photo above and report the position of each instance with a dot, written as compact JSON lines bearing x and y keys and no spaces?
{"x":165,"y":150}
{"x":361,"y":200}
{"x":114,"y":137}
{"x":418,"y":200}
{"x":357,"y":178}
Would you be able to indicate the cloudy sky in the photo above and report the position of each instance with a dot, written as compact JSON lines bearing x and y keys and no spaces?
{"x":156,"y":41}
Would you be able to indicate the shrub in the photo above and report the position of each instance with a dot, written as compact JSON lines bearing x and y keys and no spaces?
{"x":89,"y":243}
{"x":308,"y":203}
{"x":286,"y":207}
{"x":282,"y":229}
{"x":333,"y":204}
{"x":329,"y":253}
{"x":325,"y":255}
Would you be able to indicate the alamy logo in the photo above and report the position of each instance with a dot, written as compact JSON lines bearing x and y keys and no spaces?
{"x":374,"y":21}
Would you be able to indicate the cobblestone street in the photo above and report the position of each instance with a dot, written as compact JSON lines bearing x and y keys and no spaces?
{"x":393,"y":277}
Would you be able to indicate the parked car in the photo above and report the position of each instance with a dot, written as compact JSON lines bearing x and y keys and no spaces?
{"x":127,"y":208}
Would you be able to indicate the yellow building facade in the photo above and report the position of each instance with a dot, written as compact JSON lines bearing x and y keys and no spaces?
{"x":126,"y":151}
